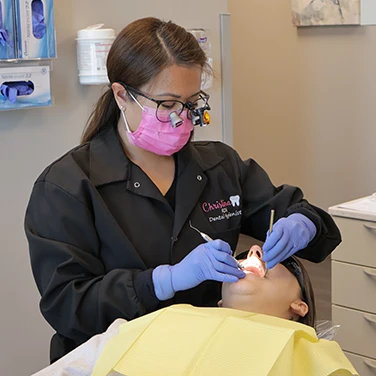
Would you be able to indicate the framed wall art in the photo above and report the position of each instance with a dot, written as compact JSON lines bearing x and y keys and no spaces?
{"x":333,"y":12}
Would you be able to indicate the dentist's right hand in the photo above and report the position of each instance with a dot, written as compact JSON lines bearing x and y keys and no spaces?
{"x":208,"y":261}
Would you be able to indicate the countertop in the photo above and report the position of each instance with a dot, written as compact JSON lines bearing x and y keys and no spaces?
{"x":341,"y":210}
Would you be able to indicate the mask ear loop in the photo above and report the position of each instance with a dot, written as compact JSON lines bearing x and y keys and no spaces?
{"x":125,"y":119}
{"x":138,"y":103}
{"x":123,"y":112}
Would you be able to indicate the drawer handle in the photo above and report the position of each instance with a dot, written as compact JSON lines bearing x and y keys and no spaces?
{"x":369,"y":273}
{"x":369,"y":227}
{"x":370,"y":363}
{"x":370,"y":319}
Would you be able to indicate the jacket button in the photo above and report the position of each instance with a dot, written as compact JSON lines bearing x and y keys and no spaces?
{"x":199,"y":177}
{"x":137,"y":184}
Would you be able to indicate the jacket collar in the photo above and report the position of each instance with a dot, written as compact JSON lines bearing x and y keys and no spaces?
{"x":109,"y":163}
{"x":203,"y":153}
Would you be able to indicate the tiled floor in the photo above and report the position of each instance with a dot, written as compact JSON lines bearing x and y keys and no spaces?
{"x":320,"y":277}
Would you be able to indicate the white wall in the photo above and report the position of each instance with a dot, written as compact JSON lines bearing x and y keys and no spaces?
{"x":31,"y":139}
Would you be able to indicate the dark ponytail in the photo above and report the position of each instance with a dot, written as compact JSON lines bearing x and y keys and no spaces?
{"x":105,"y":114}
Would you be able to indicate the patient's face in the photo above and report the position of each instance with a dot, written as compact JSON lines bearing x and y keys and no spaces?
{"x":271,"y":294}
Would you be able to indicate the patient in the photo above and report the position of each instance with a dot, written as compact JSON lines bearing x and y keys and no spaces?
{"x":179,"y":336}
{"x":285,"y":291}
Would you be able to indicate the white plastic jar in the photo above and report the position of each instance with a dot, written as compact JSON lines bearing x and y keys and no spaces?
{"x":93,"y":45}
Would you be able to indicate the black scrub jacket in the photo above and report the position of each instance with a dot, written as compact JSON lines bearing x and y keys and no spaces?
{"x":97,"y":226}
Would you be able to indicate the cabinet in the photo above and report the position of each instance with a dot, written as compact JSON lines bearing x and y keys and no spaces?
{"x":354,"y":287}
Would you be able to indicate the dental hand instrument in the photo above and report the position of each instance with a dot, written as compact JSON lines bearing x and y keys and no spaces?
{"x":270,"y":231}
{"x":207,"y":238}
{"x":271,"y":221}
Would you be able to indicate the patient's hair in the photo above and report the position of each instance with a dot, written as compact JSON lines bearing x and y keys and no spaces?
{"x":306,"y":290}
{"x":295,"y":266}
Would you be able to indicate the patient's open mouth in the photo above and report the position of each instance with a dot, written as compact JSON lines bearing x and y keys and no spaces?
{"x":255,"y":266}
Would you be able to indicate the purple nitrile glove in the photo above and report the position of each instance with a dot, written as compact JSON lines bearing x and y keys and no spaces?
{"x":4,"y":38}
{"x":11,"y":90}
{"x":39,"y":24}
{"x":209,"y":261}
{"x":289,"y":235}
{"x":4,"y":34}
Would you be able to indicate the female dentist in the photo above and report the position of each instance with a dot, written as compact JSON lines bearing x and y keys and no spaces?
{"x":109,"y":223}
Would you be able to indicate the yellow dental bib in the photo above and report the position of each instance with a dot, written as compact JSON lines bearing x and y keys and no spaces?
{"x":182,"y":340}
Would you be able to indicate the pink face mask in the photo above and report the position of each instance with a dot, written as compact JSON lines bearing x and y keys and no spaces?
{"x":157,"y":137}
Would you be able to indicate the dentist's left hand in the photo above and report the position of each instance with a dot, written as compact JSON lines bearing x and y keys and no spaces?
{"x":289,"y":235}
{"x":209,"y":261}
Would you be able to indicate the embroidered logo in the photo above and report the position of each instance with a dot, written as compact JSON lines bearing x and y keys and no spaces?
{"x":223,"y":207}
{"x":235,"y":200}
{"x":208,"y":207}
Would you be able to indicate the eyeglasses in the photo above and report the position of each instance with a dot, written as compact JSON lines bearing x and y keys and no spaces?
{"x":293,"y":267}
{"x":167,"y":107}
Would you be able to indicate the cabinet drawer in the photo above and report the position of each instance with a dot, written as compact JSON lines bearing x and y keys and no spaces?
{"x":364,"y":366}
{"x":357,"y":333}
{"x":358,"y":242}
{"x":354,"y":286}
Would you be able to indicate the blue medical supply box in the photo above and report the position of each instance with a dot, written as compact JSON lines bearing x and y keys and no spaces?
{"x":38,"y":77}
{"x":7,"y":30}
{"x":35,"y":29}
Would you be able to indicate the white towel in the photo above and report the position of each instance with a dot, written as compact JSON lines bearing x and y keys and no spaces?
{"x":81,"y":361}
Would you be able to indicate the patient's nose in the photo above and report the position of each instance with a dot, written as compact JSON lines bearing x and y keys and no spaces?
{"x":256,"y":252}
{"x":254,"y":264}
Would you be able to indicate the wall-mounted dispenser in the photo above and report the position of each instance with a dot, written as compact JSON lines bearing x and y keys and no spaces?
{"x":27,"y":45}
{"x":93,"y":45}
{"x":7,"y":30}
{"x":35,"y":29}
{"x":24,"y":86}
